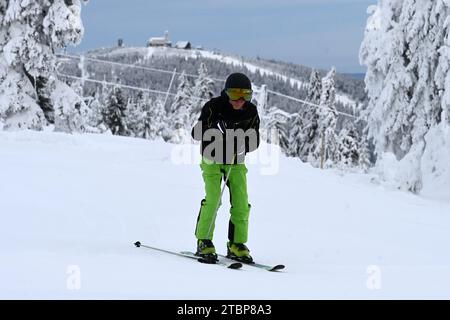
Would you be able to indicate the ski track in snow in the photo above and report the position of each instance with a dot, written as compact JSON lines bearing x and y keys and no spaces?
{"x":78,"y":202}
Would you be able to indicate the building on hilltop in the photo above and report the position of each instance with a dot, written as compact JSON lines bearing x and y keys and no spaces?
{"x":160,"y":41}
{"x":183,"y":45}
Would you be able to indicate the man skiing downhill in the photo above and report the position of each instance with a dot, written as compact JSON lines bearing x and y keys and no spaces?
{"x":228,"y":128}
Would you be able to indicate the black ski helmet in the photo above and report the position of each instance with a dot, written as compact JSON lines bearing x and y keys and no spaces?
{"x":238,"y":80}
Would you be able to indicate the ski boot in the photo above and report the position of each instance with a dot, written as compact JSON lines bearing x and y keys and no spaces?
{"x":206,"y":251}
{"x":239,"y":252}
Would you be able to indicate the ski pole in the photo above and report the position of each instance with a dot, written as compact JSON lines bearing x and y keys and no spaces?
{"x":220,"y":199}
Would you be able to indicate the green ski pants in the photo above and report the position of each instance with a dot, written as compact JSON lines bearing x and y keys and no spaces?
{"x":213,"y":173}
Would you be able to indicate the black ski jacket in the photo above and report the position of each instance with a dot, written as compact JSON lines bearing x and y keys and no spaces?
{"x":219,"y":109}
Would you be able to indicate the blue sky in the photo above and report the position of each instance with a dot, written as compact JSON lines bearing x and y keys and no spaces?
{"x":316,"y":33}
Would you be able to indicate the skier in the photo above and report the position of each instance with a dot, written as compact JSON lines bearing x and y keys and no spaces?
{"x":228,"y":128}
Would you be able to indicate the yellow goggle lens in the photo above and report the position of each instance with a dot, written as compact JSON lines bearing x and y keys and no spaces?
{"x":236,"y":94}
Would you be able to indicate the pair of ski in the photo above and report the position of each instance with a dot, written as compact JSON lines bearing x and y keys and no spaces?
{"x":222,"y":261}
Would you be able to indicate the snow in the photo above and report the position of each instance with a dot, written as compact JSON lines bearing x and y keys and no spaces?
{"x":74,"y":204}
{"x":11,"y":50}
{"x":435,"y":162}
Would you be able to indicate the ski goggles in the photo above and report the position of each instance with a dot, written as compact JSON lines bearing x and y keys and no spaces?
{"x":236,"y":94}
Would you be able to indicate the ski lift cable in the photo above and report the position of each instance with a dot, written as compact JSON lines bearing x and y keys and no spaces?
{"x":119,"y":85}
{"x":172,"y":72}
{"x":133,"y":66}
{"x":308,"y":103}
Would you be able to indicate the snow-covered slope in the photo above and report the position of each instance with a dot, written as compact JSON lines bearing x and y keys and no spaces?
{"x":76,"y":203}
{"x":236,"y":61}
{"x":293,"y":82}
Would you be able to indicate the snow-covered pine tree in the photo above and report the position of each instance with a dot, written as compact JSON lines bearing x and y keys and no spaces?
{"x":114,"y":113}
{"x":403,"y":49}
{"x":442,"y":76}
{"x":134,"y":117}
{"x":95,"y":121}
{"x":276,"y":123}
{"x":296,"y":138}
{"x":77,"y":87}
{"x":260,"y":97}
{"x":324,"y":147}
{"x":315,"y":87}
{"x":364,"y":154}
{"x":157,"y":121}
{"x":147,"y":104}
{"x":203,"y":91}
{"x":304,"y":124}
{"x":348,"y":150}
{"x":30,"y":33}
{"x":104,"y":91}
{"x":180,"y":111}
{"x":144,"y":103}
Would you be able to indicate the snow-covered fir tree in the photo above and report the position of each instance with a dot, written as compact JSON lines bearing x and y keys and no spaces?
{"x":114,"y":113}
{"x":304,"y":124}
{"x":157,"y":123}
{"x":134,"y":117}
{"x":315,"y":87}
{"x":30,"y":33}
{"x":147,"y":124}
{"x":276,"y":124}
{"x":95,"y":120}
{"x":179,"y":113}
{"x":145,"y":104}
{"x":259,"y":98}
{"x":348,"y":150}
{"x":442,"y":76}
{"x":203,"y":91}
{"x":296,"y":138}
{"x":78,"y":87}
{"x":324,"y":146}
{"x":105,"y":92}
{"x":364,"y":153}
{"x":406,"y":53}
